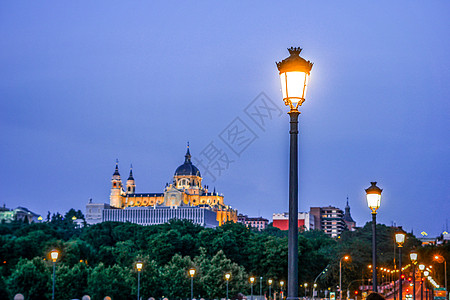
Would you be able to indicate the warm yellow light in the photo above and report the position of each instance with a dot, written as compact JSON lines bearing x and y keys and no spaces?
{"x":139,"y":266}
{"x":426,"y":273}
{"x":192,"y":272}
{"x":369,"y":266}
{"x":270,"y":281}
{"x":281,"y":283}
{"x":293,"y":87}
{"x":413,"y":256}
{"x":400,"y":238}
{"x":294,"y":75}
{"x":227,"y":276}
{"x":54,"y":254}
{"x":421,"y":267}
{"x":373,"y":196}
{"x":346,"y":257}
{"x":74,"y":218}
{"x":315,"y":285}
{"x":252,"y":279}
{"x":306,"y":284}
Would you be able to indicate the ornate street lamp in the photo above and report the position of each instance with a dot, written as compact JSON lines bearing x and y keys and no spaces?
{"x":306,"y":289}
{"x":413,"y":257}
{"x":373,"y":196}
{"x":400,"y":240}
{"x":54,"y":255}
{"x":346,"y":258}
{"x":192,"y":274}
{"x":294,"y":74}
{"x":270,"y":281}
{"x":227,"y":278}
{"x":421,"y":268}
{"x":252,"y":280}
{"x":139,"y":266}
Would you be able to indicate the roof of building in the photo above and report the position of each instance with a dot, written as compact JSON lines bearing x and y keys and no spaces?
{"x":187,"y":168}
{"x":347,"y":216}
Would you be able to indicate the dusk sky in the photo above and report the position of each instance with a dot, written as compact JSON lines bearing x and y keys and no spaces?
{"x":83,"y":83}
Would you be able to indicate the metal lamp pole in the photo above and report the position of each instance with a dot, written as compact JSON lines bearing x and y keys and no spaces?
{"x":413,"y":257}
{"x":294,"y":73}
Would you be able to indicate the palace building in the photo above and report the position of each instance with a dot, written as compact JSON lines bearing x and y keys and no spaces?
{"x":185,"y":194}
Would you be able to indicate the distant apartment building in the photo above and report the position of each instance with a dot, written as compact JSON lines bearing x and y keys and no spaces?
{"x":329,"y":219}
{"x":259,"y":223}
{"x":306,"y":221}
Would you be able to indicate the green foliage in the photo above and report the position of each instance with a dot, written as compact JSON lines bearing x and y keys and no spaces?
{"x":31,"y":278}
{"x":99,"y":260}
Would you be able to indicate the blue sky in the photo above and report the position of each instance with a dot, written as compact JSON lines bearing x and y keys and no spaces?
{"x":84,"y":83}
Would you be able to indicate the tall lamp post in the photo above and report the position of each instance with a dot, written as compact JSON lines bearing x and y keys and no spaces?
{"x":306,"y":289}
{"x":139,"y":266}
{"x":400,"y":239}
{"x":413,"y":257}
{"x":252,"y":280}
{"x":421,"y":268}
{"x":192,"y":274}
{"x":54,"y":255}
{"x":373,"y":196}
{"x":270,"y":281}
{"x":346,"y":258}
{"x":227,"y":278}
{"x":294,"y":73}
{"x":440,"y":259}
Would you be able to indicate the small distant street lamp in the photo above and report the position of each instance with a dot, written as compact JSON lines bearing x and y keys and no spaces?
{"x":421,"y":268}
{"x":373,"y":196}
{"x":306,"y":289}
{"x":270,"y":281}
{"x":294,"y":73}
{"x":139,"y":266}
{"x":192,"y":274}
{"x":440,"y":259}
{"x":252,"y":280}
{"x":346,"y":258}
{"x":282,"y":285}
{"x":227,"y":278}
{"x":413,"y":257}
{"x":400,"y":239}
{"x":54,"y":255}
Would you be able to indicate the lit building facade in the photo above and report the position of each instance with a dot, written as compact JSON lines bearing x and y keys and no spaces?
{"x":329,"y":219}
{"x":259,"y":223}
{"x":185,"y":191}
{"x":20,"y":214}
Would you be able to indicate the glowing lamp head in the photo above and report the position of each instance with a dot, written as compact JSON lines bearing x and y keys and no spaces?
{"x":139,"y":266}
{"x":373,"y":196}
{"x":306,"y":284}
{"x":192,"y":272}
{"x":421,"y":267}
{"x":270,"y":281}
{"x":400,"y":238}
{"x":413,"y":256}
{"x":347,"y":257}
{"x":54,"y":254}
{"x":227,"y":276}
{"x":281,"y":283}
{"x":294,"y":75}
{"x":252,"y":279}
{"x":426,"y":273}
{"x":315,"y":285}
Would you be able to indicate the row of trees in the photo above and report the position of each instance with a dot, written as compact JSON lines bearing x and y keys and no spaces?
{"x":99,"y":260}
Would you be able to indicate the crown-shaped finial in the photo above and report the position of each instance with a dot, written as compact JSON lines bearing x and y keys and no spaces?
{"x":295,"y":51}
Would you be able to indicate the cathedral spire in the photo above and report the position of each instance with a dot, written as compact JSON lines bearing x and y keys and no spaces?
{"x":131,"y":173}
{"x":116,"y":172}
{"x":187,"y":157}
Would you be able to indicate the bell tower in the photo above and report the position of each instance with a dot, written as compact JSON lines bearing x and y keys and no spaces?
{"x":115,"y":199}
{"x":131,"y":185}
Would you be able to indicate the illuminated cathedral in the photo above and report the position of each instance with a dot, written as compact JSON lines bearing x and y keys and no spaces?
{"x":185,"y":192}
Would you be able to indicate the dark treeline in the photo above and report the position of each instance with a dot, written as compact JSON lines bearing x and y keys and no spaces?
{"x":99,"y":260}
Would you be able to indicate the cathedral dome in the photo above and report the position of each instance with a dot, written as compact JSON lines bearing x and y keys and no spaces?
{"x":187,"y":168}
